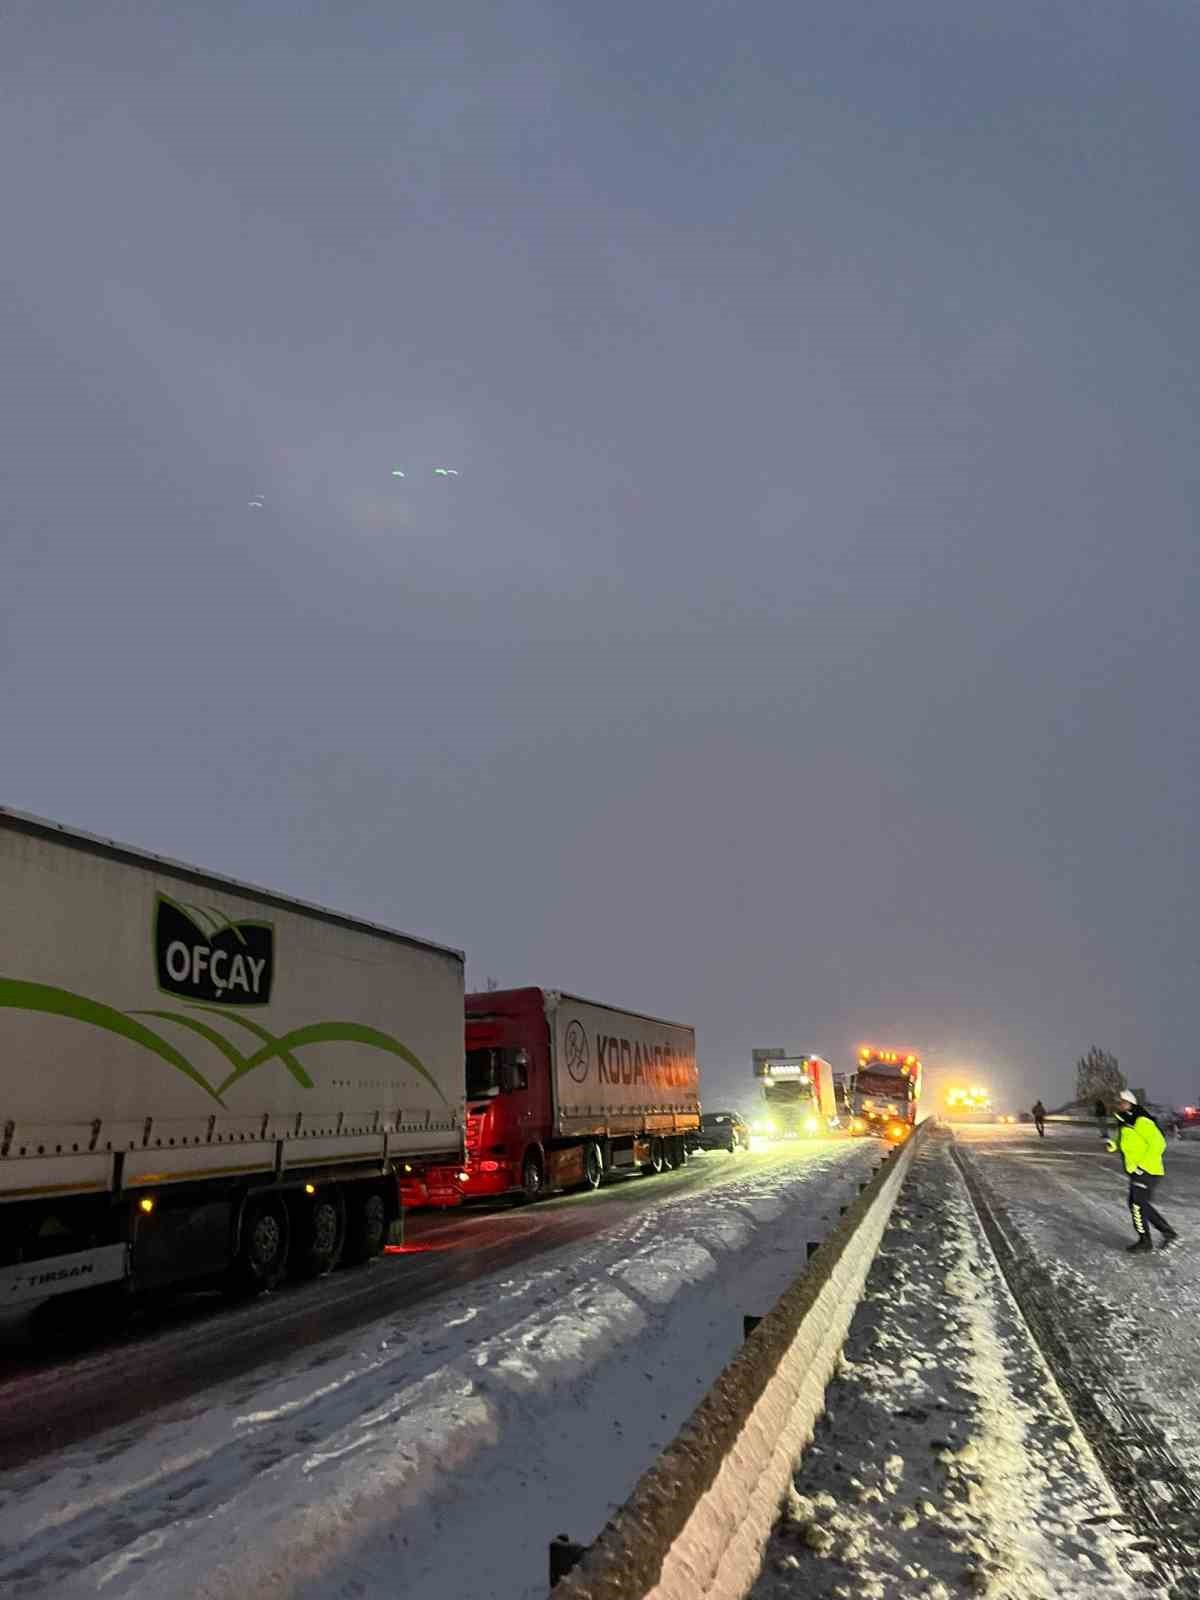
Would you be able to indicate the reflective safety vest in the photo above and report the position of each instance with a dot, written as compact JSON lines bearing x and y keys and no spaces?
{"x":1141,"y":1145}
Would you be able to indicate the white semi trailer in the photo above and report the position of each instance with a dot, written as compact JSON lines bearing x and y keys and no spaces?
{"x":203,"y":1080}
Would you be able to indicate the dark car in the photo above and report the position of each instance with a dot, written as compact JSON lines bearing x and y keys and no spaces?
{"x":722,"y":1130}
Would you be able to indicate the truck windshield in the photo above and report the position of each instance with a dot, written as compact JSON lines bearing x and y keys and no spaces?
{"x":791,"y":1092}
{"x":492,"y":1072}
{"x":892,"y":1086}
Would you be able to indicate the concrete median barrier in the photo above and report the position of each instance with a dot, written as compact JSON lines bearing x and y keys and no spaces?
{"x":698,"y":1519}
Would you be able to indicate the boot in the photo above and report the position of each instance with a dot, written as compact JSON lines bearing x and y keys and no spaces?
{"x":1169,"y":1237}
{"x":1143,"y":1242}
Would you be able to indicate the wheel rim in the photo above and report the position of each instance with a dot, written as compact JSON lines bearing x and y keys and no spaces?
{"x":266,"y":1239}
{"x":532,"y":1176}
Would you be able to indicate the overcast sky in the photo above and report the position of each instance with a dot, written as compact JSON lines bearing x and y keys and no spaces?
{"x":807,"y":646}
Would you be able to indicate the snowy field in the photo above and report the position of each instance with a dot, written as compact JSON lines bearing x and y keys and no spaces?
{"x":948,"y":1464}
{"x":432,"y":1455}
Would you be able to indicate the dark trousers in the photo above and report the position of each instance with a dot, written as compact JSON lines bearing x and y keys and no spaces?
{"x":1141,"y":1203}
{"x":1040,"y":1126}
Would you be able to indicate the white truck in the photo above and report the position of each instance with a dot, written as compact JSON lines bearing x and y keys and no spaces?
{"x":798,"y":1094}
{"x":200,"y":1079}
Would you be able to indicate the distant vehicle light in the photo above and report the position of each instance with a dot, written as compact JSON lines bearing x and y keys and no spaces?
{"x":811,"y":1125}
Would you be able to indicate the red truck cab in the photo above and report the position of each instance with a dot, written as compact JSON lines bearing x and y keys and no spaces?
{"x":508,"y":1109}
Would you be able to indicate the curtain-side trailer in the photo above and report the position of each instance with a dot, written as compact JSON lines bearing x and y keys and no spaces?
{"x":561,"y":1092}
{"x":200,"y":1079}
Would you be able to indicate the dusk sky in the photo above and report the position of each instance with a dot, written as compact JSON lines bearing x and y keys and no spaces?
{"x":806,"y":648}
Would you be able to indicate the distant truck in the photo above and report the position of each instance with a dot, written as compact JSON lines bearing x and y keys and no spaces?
{"x":972,"y":1104}
{"x":563,"y":1092}
{"x":886,"y":1092}
{"x":798,"y":1098}
{"x":203,"y":1080}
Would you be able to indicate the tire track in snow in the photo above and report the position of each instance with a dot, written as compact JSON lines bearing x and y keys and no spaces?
{"x":1155,"y":1487}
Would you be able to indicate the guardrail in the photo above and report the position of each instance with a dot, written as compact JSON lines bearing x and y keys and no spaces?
{"x":698,"y":1519}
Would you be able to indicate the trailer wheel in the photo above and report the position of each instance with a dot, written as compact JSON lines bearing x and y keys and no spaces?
{"x":366,"y":1226}
{"x":262,"y":1255}
{"x":657,"y":1159}
{"x":533,"y":1177}
{"x":676,"y":1154}
{"x":593,"y":1166}
{"x":318,"y":1233}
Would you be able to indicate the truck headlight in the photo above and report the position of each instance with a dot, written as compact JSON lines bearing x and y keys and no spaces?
{"x":811,"y":1125}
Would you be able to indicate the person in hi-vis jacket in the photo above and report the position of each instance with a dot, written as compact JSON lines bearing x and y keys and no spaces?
{"x":1139,"y":1139}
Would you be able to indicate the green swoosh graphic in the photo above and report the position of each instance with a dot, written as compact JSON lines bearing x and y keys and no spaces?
{"x":236,"y":1060}
{"x":22,"y":996}
{"x":341,"y":1033}
{"x":19,"y":995}
{"x":240,"y":1064}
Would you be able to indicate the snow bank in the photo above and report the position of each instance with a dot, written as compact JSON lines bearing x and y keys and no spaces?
{"x":698,"y":1518}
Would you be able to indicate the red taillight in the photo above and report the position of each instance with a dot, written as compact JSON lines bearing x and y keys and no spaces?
{"x":489,"y":1166}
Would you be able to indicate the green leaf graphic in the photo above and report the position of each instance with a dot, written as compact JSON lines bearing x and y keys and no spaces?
{"x":224,"y":922}
{"x":22,"y":996}
{"x":199,"y":917}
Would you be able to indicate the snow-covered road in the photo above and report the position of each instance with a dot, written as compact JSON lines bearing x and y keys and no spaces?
{"x":1140,"y":1315}
{"x":180,"y":1347}
{"x":434,"y":1453}
{"x":948,"y":1464}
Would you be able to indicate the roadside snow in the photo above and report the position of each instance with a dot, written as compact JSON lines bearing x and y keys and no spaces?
{"x":434,"y":1456}
{"x":948,"y":1464}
